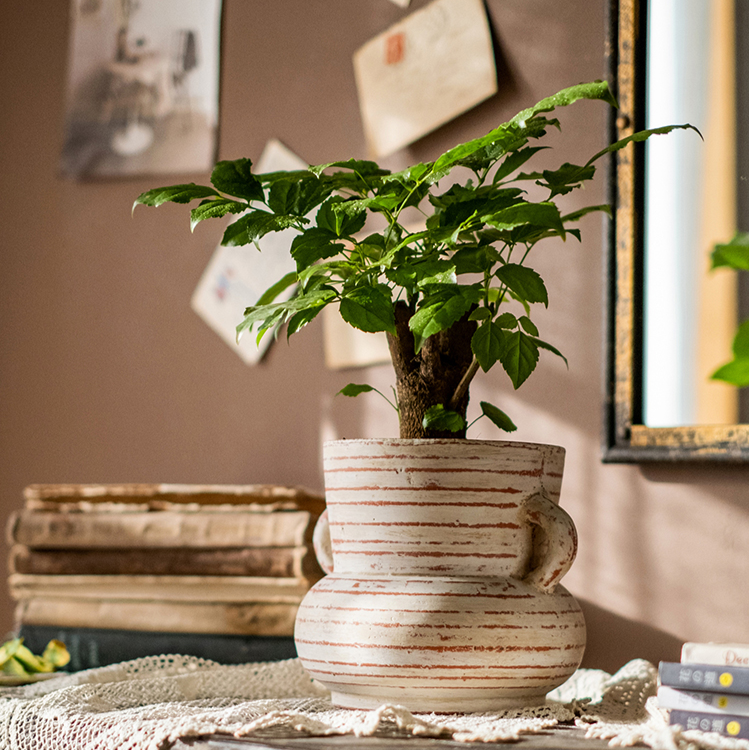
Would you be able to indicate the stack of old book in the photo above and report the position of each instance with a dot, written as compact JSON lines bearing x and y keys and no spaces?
{"x":122,"y":571}
{"x":708,"y":689}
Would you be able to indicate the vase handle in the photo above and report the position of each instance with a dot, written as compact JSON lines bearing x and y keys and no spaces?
{"x":321,"y":543}
{"x":557,"y":547}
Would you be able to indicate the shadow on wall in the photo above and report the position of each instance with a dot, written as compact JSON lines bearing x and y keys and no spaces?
{"x":614,"y":640}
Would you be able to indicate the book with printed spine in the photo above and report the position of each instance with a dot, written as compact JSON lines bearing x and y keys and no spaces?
{"x":711,"y":678}
{"x":694,"y":700}
{"x":727,"y":654}
{"x":284,"y":562}
{"x":725,"y":725}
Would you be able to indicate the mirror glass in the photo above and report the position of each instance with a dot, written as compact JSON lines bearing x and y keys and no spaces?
{"x":693,"y":195}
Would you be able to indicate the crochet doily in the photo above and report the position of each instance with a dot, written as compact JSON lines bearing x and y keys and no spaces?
{"x":150,"y":703}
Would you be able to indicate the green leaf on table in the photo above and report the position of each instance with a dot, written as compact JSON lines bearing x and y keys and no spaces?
{"x":439,"y":418}
{"x":497,"y":416}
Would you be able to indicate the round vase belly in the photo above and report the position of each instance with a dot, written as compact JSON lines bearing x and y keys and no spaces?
{"x":444,"y":595}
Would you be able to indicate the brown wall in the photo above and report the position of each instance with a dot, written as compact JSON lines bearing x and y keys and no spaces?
{"x":106,"y":374}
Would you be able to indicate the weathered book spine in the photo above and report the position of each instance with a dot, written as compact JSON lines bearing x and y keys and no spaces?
{"x":726,"y":725}
{"x":727,"y":654}
{"x":180,"y":589}
{"x":708,"y":677}
{"x":221,"y":494}
{"x":49,"y":530}
{"x":281,"y":562}
{"x":96,"y":647}
{"x":175,"y":617}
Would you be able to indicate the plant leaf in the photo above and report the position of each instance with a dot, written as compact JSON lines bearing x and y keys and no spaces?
{"x":212,"y":209}
{"x":498,"y":417}
{"x":174,"y":194}
{"x":273,"y":291}
{"x":236,"y":178}
{"x":733,"y":254}
{"x":437,"y":314}
{"x":254,"y":225}
{"x":524,"y":282}
{"x":735,"y":372}
{"x":546,"y":345}
{"x":439,"y":418}
{"x":519,"y":357}
{"x":487,"y":344}
{"x":352,"y":390}
{"x":639,"y":136}
{"x":369,"y":309}
{"x":312,"y":245}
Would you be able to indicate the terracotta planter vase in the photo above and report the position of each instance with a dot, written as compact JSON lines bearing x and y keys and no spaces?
{"x":444,"y":593}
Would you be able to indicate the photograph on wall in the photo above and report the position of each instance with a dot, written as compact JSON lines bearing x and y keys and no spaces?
{"x":142,"y":87}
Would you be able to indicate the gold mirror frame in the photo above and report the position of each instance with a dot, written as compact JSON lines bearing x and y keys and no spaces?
{"x":626,"y":438}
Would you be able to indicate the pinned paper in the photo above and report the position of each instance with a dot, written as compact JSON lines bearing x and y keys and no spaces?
{"x":236,"y":276}
{"x":424,"y":71}
{"x":347,"y":347}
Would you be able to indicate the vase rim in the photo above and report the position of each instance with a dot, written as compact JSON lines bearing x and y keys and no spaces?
{"x":443,"y":441}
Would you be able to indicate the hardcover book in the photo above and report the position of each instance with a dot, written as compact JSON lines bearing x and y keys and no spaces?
{"x":44,"y":496}
{"x":710,"y":678}
{"x":163,"y":528}
{"x":200,"y":589}
{"x":96,"y":647}
{"x":224,"y":618}
{"x":728,"y":654}
{"x":728,"y":726}
{"x":283,"y":562}
{"x":693,"y":700}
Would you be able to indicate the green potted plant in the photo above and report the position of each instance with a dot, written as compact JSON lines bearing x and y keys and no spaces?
{"x":442,"y":596}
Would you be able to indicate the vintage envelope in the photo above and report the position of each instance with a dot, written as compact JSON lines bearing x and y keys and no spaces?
{"x":424,"y":71}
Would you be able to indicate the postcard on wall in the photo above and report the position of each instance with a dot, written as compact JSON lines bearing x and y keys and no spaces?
{"x":142,"y":87}
{"x":346,"y":347}
{"x":236,"y":276}
{"x":424,"y":71}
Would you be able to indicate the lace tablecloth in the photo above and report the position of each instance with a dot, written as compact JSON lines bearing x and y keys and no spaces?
{"x":148,"y":704}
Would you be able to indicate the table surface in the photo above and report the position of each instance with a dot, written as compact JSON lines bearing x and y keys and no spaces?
{"x":557,"y":738}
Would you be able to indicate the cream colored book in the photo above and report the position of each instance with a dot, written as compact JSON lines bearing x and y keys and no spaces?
{"x":161,"y":616}
{"x":231,"y":589}
{"x":167,"y":528}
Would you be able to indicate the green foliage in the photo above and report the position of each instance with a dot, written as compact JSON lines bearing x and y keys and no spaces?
{"x":469,"y":259}
{"x":735,"y":255}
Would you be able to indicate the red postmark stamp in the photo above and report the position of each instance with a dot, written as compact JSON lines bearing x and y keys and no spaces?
{"x":395,"y":47}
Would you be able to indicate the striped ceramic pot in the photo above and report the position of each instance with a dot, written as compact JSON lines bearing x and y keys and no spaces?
{"x":443,"y":588}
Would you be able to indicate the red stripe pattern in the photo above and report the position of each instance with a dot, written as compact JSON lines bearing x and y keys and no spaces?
{"x":426,"y":606}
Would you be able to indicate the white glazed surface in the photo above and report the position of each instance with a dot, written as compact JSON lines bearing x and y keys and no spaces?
{"x":436,"y":600}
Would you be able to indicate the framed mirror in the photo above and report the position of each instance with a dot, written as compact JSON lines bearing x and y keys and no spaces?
{"x":670,"y":318}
